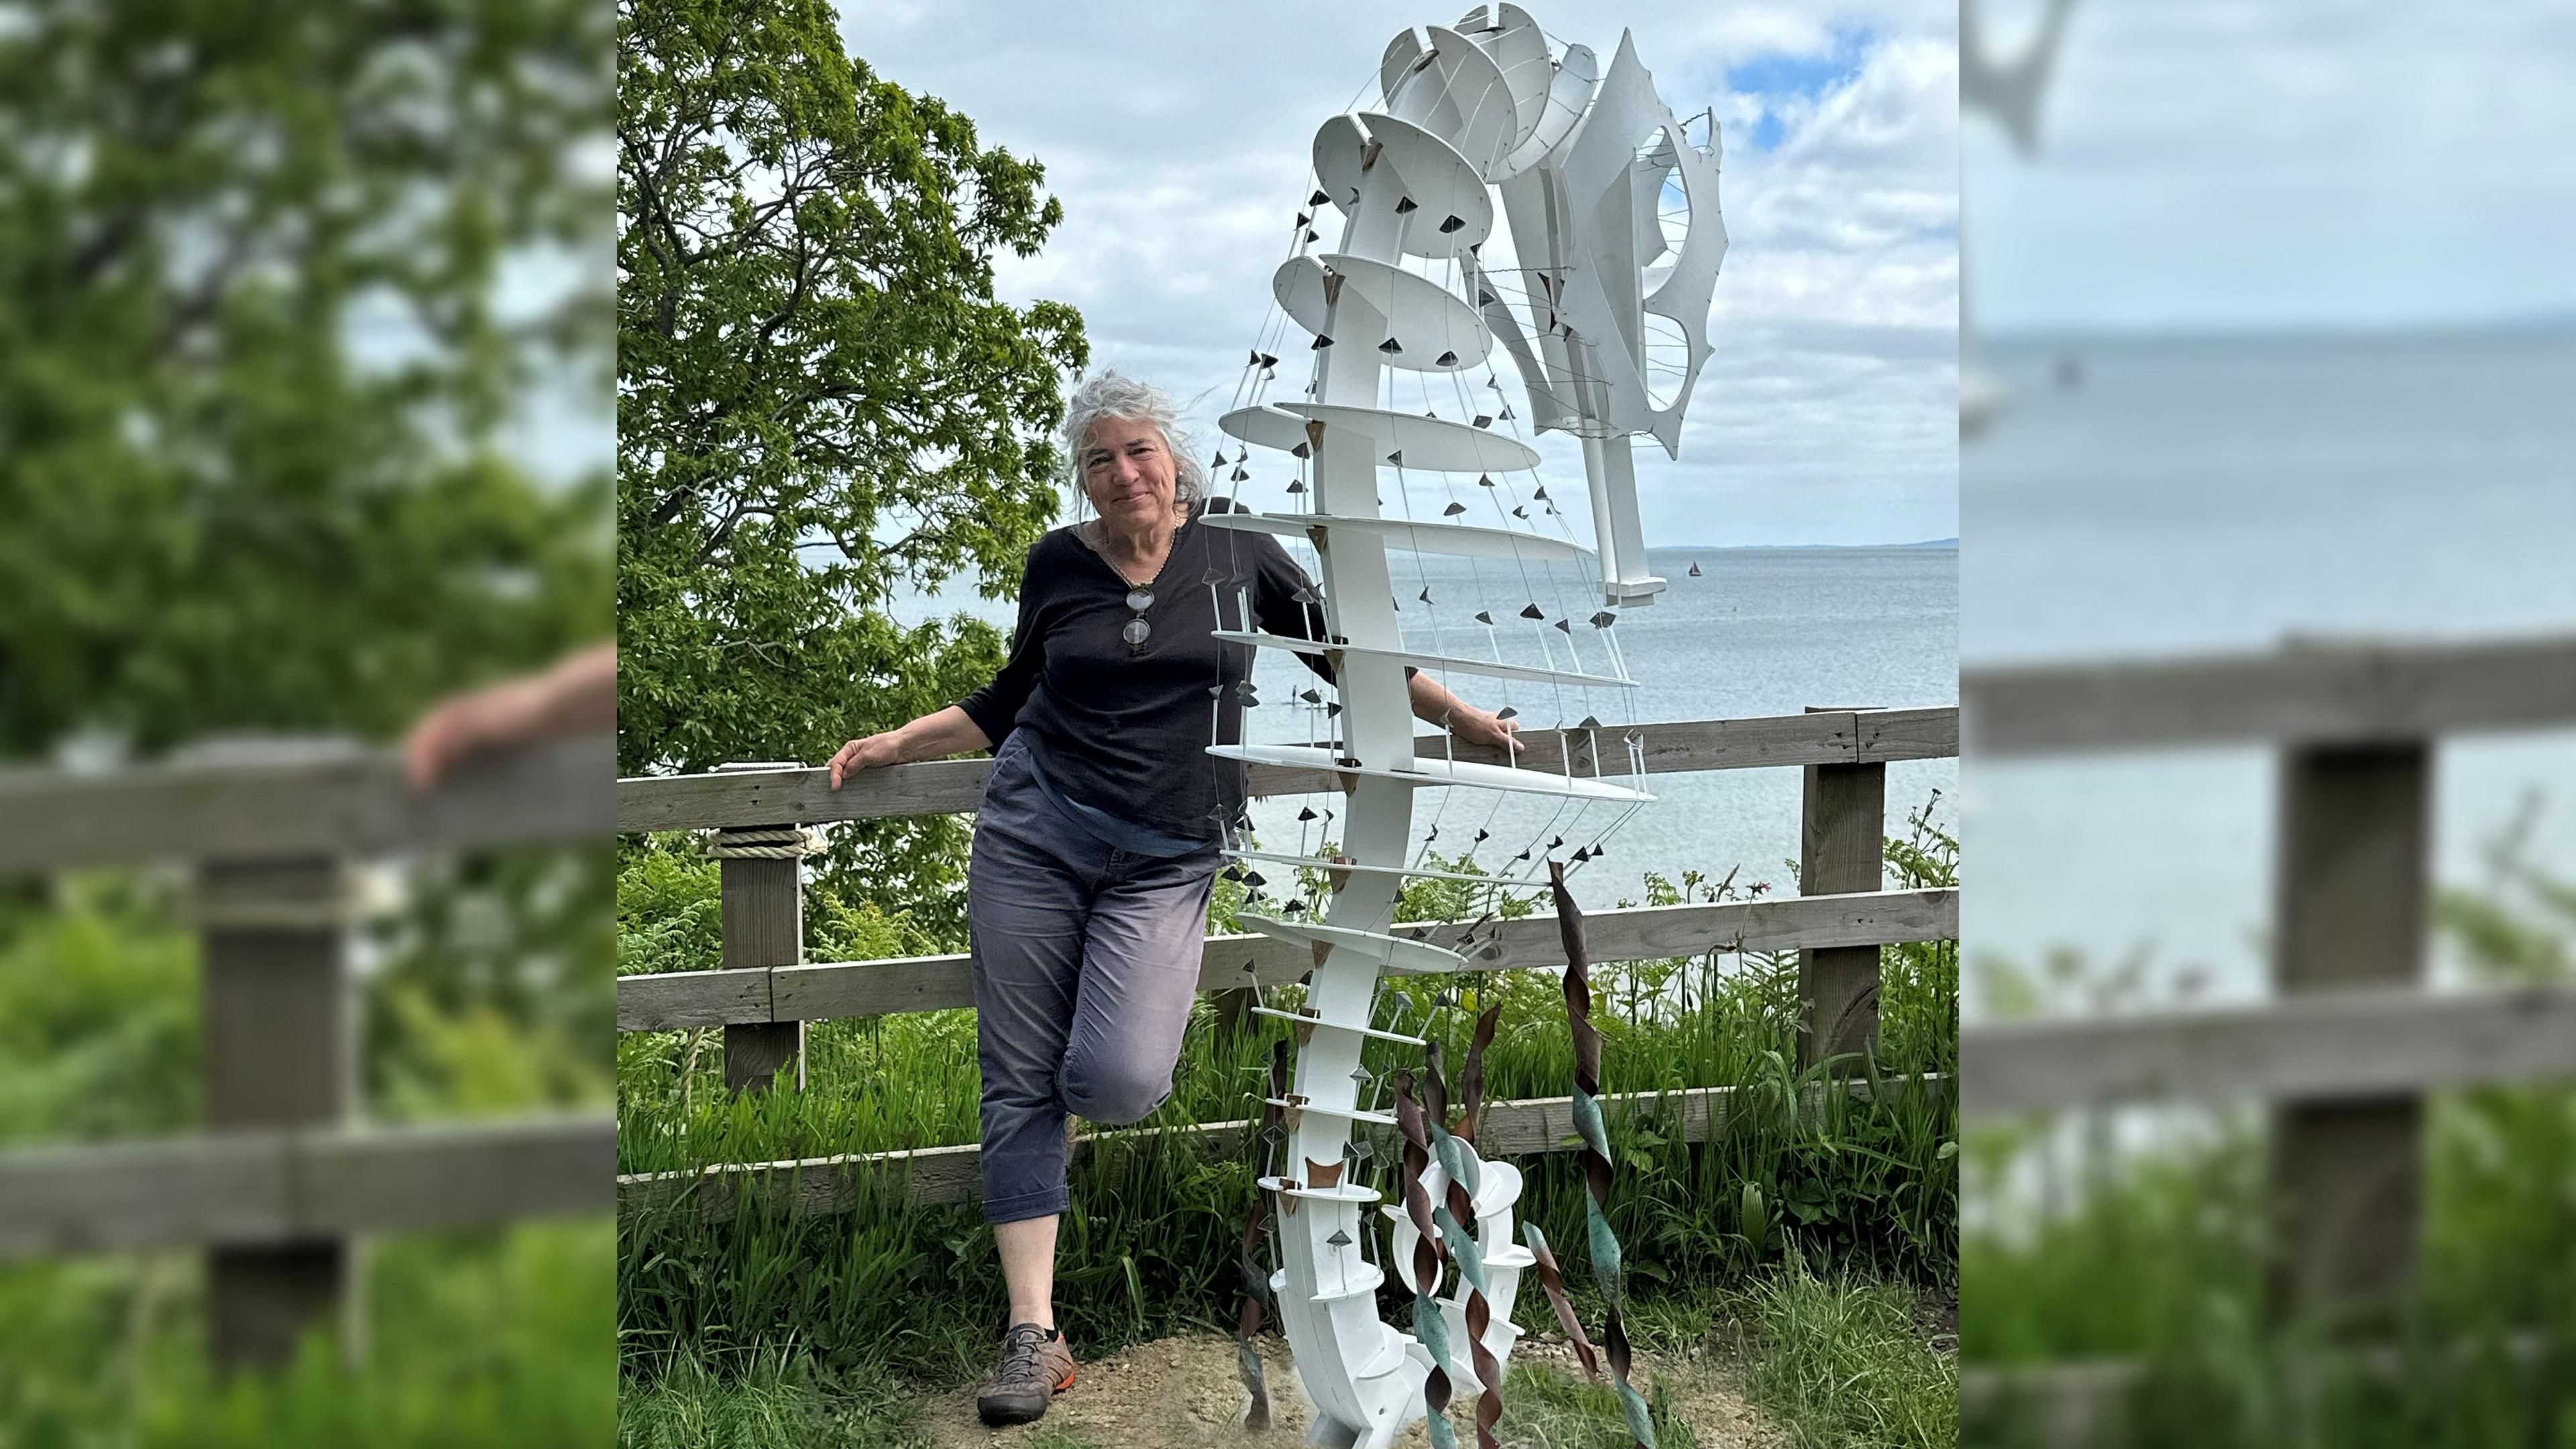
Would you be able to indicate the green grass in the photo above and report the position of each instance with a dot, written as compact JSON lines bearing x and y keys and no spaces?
{"x":486,"y":1000}
{"x":1842,"y":1362}
{"x":1866,"y":1185}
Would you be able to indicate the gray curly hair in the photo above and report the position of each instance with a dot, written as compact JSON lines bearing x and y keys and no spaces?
{"x":1109,"y":395}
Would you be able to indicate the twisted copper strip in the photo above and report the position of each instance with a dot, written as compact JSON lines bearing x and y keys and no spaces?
{"x":1596,"y":1152}
{"x":1428,"y":1325}
{"x":1471,"y":1082}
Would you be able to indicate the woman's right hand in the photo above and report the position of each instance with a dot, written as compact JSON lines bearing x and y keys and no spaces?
{"x":874,"y":752}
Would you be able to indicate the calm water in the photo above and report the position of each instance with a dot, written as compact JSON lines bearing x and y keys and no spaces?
{"x":2195,"y":496}
{"x":1760,"y":632}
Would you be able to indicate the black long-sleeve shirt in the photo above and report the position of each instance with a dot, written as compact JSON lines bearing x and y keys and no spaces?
{"x":1126,"y":730}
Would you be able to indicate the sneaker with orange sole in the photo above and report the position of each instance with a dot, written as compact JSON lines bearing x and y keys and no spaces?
{"x":1037,"y":1365}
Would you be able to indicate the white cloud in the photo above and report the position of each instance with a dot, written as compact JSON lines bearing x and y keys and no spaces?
{"x":1178,"y":138}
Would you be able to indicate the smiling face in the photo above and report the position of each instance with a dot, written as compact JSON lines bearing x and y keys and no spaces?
{"x":1129,"y":472}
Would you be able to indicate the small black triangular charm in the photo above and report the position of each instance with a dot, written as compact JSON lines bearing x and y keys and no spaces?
{"x":1306,"y":814}
{"x":1476,"y":250}
{"x":1484,"y":480}
{"x":1302,"y":219}
{"x":1301,"y":451}
{"x":1446,"y":359}
{"x":1331,"y":710}
{"x":1390,"y":347}
{"x":1243,"y":691}
{"x":1404,"y":204}
{"x":1238,"y":476}
{"x":1604,"y":619}
{"x":1582,"y":854}
{"x":1426,"y":596}
{"x":1218,"y":461}
{"x":1532,"y":612}
{"x":1269,"y":361}
{"x":1292,"y":908}
{"x":1485,"y":420}
{"x":1520,"y":513}
{"x":1564,"y":628}
{"x":1397,"y":458}
{"x":1484,"y":298}
{"x":1506,"y":712}
{"x":1482,"y":836}
{"x":1321,"y":342}
{"x":1254,"y":880}
{"x":1483,"y":618}
{"x":1541,"y":495}
{"x":1589,"y":723}
{"x":1507,"y":415}
{"x":1297,"y":487}
{"x":1453,"y":510}
{"x":1310,"y":235}
{"x":1557,"y":842}
{"x":1310,"y":696}
{"x":1318,"y":199}
{"x":1452,"y":224}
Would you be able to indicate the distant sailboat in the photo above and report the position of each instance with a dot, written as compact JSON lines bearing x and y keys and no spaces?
{"x":1694,"y":573}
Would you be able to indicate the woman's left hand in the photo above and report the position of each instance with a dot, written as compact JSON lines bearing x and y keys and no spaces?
{"x":1482,"y":727}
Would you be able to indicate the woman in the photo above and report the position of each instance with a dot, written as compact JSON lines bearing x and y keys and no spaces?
{"x":1097,"y":840}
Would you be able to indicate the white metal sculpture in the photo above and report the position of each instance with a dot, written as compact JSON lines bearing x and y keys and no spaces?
{"x":1604,"y":313}
{"x":2010,"y":94}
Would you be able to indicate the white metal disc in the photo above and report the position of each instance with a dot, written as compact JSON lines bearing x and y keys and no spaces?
{"x":1569,"y":94}
{"x":1519,"y":51}
{"x":1448,"y":539}
{"x":1432,"y":663}
{"x":1265,"y":427}
{"x":1394,"y":953}
{"x":1461,"y":97}
{"x":1441,"y":183}
{"x":1430,"y":773}
{"x":1338,"y":144}
{"x":1434,"y":328}
{"x":1436,"y":444}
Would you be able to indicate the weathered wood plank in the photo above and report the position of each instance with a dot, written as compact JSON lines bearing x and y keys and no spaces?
{"x":677,"y":999}
{"x":1842,"y":840}
{"x":257,"y":1188}
{"x":350,"y":804}
{"x":2313,"y":692}
{"x":927,"y":1176}
{"x":805,"y":796}
{"x":2343,"y":1045}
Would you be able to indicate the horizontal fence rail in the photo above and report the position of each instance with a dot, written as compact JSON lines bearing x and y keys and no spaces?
{"x":825,"y":990}
{"x":267,"y":1187}
{"x":934,"y":1175}
{"x":2340,"y":1045}
{"x":805,"y":796}
{"x":349,"y":802}
{"x":2308,"y":693}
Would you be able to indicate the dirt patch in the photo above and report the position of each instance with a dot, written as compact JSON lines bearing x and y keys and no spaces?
{"x":1183,"y":1393}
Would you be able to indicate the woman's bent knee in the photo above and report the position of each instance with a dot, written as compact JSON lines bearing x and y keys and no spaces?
{"x":1113,"y":1099}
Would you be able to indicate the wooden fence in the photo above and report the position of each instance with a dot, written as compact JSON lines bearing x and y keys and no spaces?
{"x":285,"y":1177}
{"x":2352,"y":1041}
{"x":764,"y":993}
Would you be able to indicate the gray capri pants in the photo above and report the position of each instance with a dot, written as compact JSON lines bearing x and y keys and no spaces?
{"x":1086,"y":962}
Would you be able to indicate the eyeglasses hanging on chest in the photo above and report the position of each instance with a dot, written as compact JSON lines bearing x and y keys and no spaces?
{"x":1137,"y":630}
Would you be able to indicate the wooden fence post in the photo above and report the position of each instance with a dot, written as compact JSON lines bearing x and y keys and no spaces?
{"x":764,"y":925}
{"x":2353,"y":880}
{"x":1842,"y":846}
{"x":280,"y":1050}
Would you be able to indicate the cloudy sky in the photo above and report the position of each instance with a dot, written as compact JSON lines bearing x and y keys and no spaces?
{"x":2259,"y":164}
{"x":1178,"y":137}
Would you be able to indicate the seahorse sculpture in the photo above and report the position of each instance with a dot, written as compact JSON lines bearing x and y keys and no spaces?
{"x":1604,"y":313}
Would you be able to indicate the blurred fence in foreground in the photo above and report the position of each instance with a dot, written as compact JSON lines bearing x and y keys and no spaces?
{"x":2345,"y":1054}
{"x":285,"y":1176}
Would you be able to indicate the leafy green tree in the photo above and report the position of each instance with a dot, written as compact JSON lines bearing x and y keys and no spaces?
{"x":259,"y":359}
{"x":820,"y":400}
